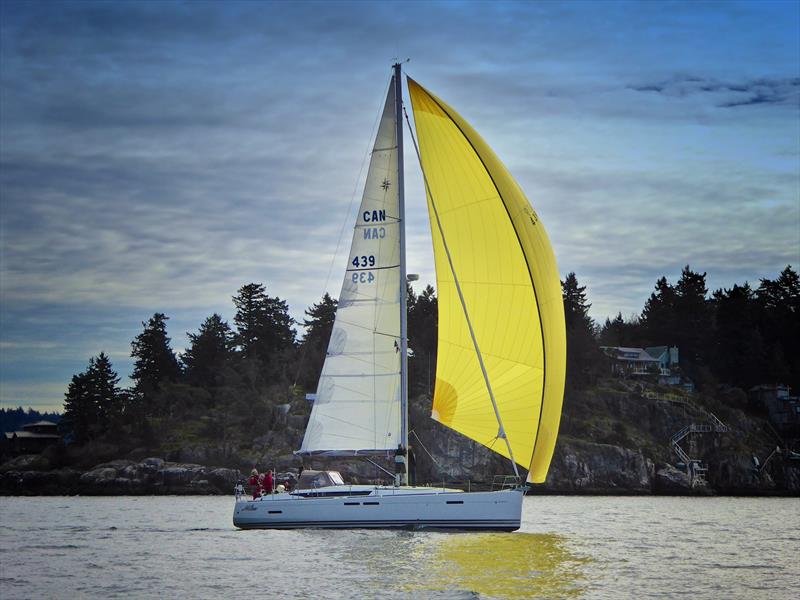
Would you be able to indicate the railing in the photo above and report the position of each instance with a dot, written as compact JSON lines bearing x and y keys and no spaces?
{"x":651,"y":395}
{"x":505,"y":482}
{"x":692,"y":428}
{"x":681,"y":453}
{"x":719,"y":426}
{"x":775,"y":451}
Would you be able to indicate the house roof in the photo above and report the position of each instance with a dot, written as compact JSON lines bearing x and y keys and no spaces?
{"x":630,"y":354}
{"x":40,"y":424}
{"x":29,"y":435}
{"x":657,"y":351}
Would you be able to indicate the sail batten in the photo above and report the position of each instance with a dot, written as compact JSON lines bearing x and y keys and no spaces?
{"x":510,"y":282}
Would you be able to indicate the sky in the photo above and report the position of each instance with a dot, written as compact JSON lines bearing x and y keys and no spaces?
{"x":156,"y":156}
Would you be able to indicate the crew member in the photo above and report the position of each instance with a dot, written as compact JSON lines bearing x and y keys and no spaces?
{"x":255,"y":484}
{"x":267,"y":482}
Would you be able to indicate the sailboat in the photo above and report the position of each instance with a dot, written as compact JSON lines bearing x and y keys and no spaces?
{"x":501,"y":337}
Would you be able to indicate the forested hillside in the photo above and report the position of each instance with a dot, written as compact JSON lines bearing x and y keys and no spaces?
{"x":236,"y":396}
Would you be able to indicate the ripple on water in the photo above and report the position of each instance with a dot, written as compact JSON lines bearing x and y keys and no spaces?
{"x":568,"y":547}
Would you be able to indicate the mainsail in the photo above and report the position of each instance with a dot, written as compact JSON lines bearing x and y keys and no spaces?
{"x":509,"y":279}
{"x":357,"y":406}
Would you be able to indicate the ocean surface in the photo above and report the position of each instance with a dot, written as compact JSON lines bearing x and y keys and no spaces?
{"x":568,"y":547}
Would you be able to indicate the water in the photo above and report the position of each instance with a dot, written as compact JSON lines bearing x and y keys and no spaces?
{"x":568,"y":547}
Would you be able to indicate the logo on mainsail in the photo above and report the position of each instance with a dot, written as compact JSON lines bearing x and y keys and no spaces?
{"x":385,"y":185}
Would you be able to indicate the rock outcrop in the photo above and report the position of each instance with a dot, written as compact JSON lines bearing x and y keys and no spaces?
{"x":152,"y":476}
{"x":590,"y":468}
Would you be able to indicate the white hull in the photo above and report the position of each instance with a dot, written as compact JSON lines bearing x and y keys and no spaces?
{"x":383,"y":508}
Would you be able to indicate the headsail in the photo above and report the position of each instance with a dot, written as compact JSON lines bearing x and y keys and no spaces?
{"x":357,"y":406}
{"x":508,"y":275}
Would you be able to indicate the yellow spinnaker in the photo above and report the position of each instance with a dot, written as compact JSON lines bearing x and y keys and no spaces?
{"x":508,"y":275}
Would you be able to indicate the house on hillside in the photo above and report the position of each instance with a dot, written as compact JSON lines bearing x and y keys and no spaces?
{"x":655,"y":361}
{"x":33,"y":438}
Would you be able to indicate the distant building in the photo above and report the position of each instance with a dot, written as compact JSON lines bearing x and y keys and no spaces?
{"x":33,"y":438}
{"x":659,"y":362}
{"x":783,"y":408}
{"x":656,"y":360}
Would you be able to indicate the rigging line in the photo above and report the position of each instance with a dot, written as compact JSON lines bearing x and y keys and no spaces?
{"x":501,"y":432}
{"x":347,"y":214}
{"x":436,"y":462}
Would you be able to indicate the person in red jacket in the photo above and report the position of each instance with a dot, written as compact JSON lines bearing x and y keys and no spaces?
{"x":267,"y":482}
{"x":255,"y":484}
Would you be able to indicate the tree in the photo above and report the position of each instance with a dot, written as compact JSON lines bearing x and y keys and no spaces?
{"x":693,"y":316}
{"x":155,"y":366}
{"x":779,"y":301}
{"x":679,"y":316}
{"x":211,"y":350}
{"x":576,"y":307}
{"x":80,"y":414}
{"x":93,"y":404}
{"x":738,"y":355}
{"x":658,"y":318}
{"x":620,"y":332}
{"x":423,"y":317}
{"x":318,"y":326}
{"x":583,"y":354}
{"x":264,"y":327}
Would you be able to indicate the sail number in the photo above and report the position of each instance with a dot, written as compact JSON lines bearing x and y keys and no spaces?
{"x":363,"y":277}
{"x":363,"y":261}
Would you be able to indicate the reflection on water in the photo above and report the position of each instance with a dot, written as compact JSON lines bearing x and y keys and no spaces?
{"x":520,"y":565}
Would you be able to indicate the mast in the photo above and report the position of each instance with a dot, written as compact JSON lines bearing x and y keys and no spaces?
{"x":398,"y":103}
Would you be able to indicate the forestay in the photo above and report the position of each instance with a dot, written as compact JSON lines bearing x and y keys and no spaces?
{"x":357,"y":406}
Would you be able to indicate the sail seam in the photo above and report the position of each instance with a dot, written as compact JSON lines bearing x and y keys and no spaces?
{"x":373,"y":268}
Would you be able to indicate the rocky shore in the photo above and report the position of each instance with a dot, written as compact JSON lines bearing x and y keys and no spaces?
{"x":613,"y":440}
{"x":151,"y":476}
{"x":578,"y":468}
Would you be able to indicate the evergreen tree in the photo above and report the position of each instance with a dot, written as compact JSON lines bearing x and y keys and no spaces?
{"x":93,"y":404}
{"x":693,"y":318}
{"x":264,"y":327}
{"x":679,"y":316}
{"x":211,"y":350}
{"x":738,"y":353}
{"x":250,"y":303}
{"x":583,"y":354}
{"x":155,"y":366}
{"x":620,"y":332}
{"x":423,"y":318}
{"x":576,"y":307}
{"x":658,"y":318}
{"x":779,"y":301}
{"x":80,"y":414}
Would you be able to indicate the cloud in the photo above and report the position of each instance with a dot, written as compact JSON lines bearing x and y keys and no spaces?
{"x":782,"y":92}
{"x":156,"y":157}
